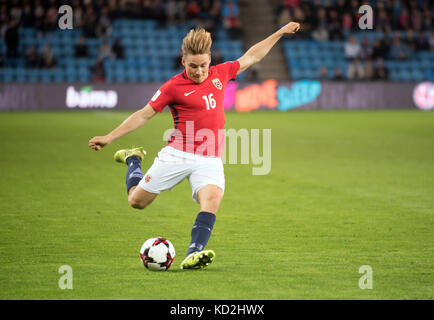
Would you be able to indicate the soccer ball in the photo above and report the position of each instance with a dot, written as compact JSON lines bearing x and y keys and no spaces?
{"x":157,"y":254}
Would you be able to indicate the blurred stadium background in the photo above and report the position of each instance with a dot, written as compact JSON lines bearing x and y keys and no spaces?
{"x":136,"y":41}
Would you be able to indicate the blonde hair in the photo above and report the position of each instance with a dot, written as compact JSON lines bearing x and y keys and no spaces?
{"x":197,"y":41}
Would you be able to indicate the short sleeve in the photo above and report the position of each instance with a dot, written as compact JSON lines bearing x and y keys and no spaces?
{"x":162,"y":97}
{"x":229,"y":69}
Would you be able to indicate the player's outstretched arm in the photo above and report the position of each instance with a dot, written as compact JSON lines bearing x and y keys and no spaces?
{"x":133,"y":122}
{"x":260,"y":50}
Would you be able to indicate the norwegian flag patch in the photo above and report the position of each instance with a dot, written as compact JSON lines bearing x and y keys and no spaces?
{"x":217,"y":83}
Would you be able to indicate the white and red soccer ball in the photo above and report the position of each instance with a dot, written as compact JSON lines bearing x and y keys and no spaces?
{"x":157,"y":254}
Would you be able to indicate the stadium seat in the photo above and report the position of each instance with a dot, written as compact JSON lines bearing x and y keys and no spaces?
{"x":32,"y":76}
{"x":58,"y":76}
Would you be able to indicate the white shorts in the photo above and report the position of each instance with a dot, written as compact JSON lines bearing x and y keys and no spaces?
{"x":172,"y":166}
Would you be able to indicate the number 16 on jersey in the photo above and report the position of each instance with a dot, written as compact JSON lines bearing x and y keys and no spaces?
{"x":210,"y":101}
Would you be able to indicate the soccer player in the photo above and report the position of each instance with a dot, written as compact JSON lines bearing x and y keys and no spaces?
{"x":194,"y":149}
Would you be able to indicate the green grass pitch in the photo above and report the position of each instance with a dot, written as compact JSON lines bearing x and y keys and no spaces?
{"x":346,"y":189}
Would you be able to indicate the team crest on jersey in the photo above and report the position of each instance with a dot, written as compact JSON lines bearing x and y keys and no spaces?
{"x":148,"y":178}
{"x":217,"y":83}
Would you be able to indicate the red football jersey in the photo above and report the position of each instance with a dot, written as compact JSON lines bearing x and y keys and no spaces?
{"x":197,"y":109}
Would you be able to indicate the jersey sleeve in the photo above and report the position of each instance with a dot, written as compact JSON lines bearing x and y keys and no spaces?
{"x":162,"y":97}
{"x":229,"y":70}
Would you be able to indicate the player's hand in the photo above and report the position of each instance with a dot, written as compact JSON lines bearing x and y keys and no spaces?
{"x":291,"y":27}
{"x":98,"y":142}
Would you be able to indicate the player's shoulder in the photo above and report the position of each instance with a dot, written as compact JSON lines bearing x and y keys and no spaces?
{"x":177,"y":78}
{"x":170,"y":83}
{"x":175,"y":84}
{"x":226,"y":66}
{"x":227,"y":63}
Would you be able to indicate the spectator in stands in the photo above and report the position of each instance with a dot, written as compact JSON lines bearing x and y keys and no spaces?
{"x":320,"y":34}
{"x":3,"y":17}
{"x":321,"y":27}
{"x":411,"y":40}
{"x":146,"y":10}
{"x":231,"y":19}
{"x":379,"y":49}
{"x":335,"y":26}
{"x":215,"y":12}
{"x":205,"y":8}
{"x":159,"y":13}
{"x":321,"y":19}
{"x":342,"y":7}
{"x":32,"y":59}
{"x":118,"y":49}
{"x":421,"y":42}
{"x":382,"y":21}
{"x":181,"y":6}
{"x":284,"y":17}
{"x":335,"y":31}
{"x":292,"y":3}
{"x":404,"y":19}
{"x":366,"y":49}
{"x":323,"y":73}
{"x":78,"y":16}
{"x":352,"y":48}
{"x":27,"y":19}
{"x":381,"y":71}
{"x":12,"y":39}
{"x":50,"y":21}
{"x":39,"y":14}
{"x":122,"y":12}
{"x":355,"y":70}
{"x":338,"y":76}
{"x":217,"y":57}
{"x":171,"y":10}
{"x":427,"y":19}
{"x":347,"y":23}
{"x":105,"y":51}
{"x":387,"y":41}
{"x":396,"y":11}
{"x":399,"y":50}
{"x":47,"y":59}
{"x":206,"y":24}
{"x":89,"y":22}
{"x":369,"y":70}
{"x":330,"y":19}
{"x":205,"y":21}
{"x":15,"y":11}
{"x":98,"y":73}
{"x":431,"y":41}
{"x":81,"y":48}
{"x":353,"y":6}
{"x":104,"y":26}
{"x":416,"y":16}
{"x":305,"y":12}
{"x":192,"y":9}
{"x":298,"y":14}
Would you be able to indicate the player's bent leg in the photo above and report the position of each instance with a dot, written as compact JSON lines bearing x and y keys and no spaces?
{"x":209,"y":198}
{"x":139,"y":198}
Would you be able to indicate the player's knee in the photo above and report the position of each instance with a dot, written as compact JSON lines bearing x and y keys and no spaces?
{"x":137,"y":204}
{"x":214,"y":197}
{"x":211,"y":202}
